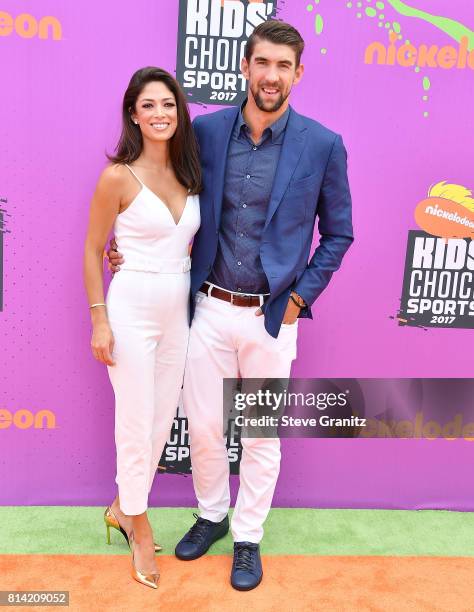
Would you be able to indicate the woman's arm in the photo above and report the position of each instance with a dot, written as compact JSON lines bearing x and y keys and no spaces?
{"x":105,"y":207}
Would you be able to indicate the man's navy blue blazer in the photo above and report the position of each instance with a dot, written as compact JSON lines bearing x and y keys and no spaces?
{"x":310,"y":180}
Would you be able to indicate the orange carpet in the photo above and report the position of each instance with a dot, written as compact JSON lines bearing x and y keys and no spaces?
{"x":291,"y":583}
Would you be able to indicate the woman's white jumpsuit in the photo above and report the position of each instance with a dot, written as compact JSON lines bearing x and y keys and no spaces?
{"x":147,"y":306}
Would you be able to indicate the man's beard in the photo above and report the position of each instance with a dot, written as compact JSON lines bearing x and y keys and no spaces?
{"x":261,"y":104}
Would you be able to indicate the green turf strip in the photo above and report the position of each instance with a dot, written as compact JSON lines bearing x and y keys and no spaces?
{"x":81,"y":530}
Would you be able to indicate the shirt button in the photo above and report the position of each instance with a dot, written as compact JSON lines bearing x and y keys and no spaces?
{"x":239,"y":263}
{"x":254,"y":148}
{"x":239,"y":288}
{"x":244,"y":205}
{"x":247,"y":176}
{"x":241,"y":234}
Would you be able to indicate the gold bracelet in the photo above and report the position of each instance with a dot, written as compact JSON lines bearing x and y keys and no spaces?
{"x":94,"y":305}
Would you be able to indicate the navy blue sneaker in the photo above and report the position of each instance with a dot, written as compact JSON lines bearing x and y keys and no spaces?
{"x":200,"y":537}
{"x":247,"y":566}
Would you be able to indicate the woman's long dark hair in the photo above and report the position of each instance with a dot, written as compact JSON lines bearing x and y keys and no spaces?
{"x":183,"y":146}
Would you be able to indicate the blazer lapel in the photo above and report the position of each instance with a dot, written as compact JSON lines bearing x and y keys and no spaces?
{"x":291,"y":150}
{"x":222,"y":140}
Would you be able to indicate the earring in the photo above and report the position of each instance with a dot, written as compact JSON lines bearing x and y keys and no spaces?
{"x":135,"y":122}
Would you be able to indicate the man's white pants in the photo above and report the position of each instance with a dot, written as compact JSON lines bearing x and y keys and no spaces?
{"x":228,"y":341}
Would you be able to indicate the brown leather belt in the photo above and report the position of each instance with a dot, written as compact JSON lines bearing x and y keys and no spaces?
{"x":234,"y":298}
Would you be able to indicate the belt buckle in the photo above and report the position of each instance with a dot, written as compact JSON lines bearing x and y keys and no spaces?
{"x":244,"y":296}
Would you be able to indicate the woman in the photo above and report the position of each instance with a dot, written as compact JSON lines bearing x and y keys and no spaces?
{"x":149,"y":196}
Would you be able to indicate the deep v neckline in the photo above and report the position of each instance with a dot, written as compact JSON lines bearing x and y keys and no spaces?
{"x":167,"y":207}
{"x":160,"y":200}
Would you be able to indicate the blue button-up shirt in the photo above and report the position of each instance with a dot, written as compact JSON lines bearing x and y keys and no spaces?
{"x":250,"y":171}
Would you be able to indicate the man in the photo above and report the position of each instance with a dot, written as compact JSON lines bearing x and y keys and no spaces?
{"x":267,"y":173}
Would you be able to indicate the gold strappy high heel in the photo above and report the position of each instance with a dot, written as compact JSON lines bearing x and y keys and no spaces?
{"x":111,"y":521}
{"x":150,"y":580}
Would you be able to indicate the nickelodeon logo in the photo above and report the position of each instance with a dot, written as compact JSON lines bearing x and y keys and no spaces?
{"x":417,"y":428}
{"x":25,"y":419}
{"x":447,"y":212}
{"x":423,"y":56}
{"x":26,"y":26}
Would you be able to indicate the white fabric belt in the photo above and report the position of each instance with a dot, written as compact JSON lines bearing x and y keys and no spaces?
{"x":163,"y":266}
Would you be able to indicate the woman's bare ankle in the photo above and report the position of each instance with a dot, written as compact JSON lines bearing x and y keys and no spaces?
{"x":117,"y":510}
{"x":142,"y":531}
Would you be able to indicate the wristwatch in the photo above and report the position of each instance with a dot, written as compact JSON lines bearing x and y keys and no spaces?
{"x":297,"y":299}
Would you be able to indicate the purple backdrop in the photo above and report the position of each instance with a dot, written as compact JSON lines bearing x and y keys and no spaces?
{"x":61,"y":111}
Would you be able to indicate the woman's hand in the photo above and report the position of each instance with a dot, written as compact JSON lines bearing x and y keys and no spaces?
{"x":102,"y":343}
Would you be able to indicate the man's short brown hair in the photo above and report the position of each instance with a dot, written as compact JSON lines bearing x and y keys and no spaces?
{"x":279,"y":33}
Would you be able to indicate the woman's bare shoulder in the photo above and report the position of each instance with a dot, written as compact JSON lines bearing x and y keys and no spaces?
{"x":113,"y":178}
{"x":114,"y":174}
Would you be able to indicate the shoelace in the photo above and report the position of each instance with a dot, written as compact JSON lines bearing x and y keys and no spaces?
{"x":199,"y":530}
{"x":243,"y":559}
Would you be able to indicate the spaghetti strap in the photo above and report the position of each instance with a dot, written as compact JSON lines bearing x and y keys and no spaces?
{"x":141,"y":182}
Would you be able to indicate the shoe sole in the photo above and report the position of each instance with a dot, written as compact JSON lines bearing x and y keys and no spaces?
{"x":194,"y":557}
{"x":239,"y":588}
